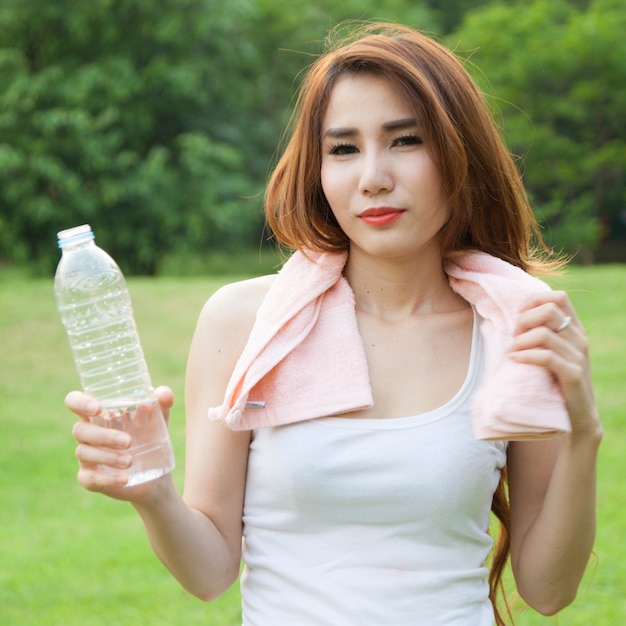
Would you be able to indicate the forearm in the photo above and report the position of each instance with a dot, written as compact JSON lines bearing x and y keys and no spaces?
{"x":552,"y":556}
{"x":190,"y":545}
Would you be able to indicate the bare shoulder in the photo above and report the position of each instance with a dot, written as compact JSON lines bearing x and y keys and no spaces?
{"x":233,"y":307}
{"x":251,"y":288}
{"x":222,"y":331}
{"x":221,"y":334}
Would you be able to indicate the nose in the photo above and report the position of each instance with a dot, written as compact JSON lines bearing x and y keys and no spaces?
{"x":375,"y":176}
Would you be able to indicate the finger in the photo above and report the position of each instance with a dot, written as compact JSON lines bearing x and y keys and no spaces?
{"x":92,"y":457}
{"x":100,"y":437}
{"x":165,"y":397}
{"x":567,"y":372}
{"x":555,"y":316}
{"x":537,"y":328}
{"x":550,"y":344}
{"x":560,"y":298}
{"x":82,"y":404}
{"x":565,"y":355}
{"x":93,"y":479}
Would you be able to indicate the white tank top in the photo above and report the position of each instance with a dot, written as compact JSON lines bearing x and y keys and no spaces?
{"x":371,"y":522}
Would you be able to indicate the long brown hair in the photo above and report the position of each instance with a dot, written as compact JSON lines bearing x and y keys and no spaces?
{"x":501,"y":509}
{"x":489,"y":207}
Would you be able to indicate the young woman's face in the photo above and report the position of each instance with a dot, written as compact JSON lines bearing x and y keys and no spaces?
{"x":378,"y":176}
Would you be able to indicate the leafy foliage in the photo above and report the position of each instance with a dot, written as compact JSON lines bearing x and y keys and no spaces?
{"x":157,"y":122}
{"x":558,"y":70}
{"x":112,"y":112}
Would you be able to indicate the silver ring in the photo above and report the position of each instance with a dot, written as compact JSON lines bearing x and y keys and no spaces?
{"x":564,"y":324}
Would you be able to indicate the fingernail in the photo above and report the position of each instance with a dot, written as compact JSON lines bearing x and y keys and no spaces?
{"x":122,"y":440}
{"x":120,"y":480}
{"x":92,"y":408}
{"x":123,"y":460}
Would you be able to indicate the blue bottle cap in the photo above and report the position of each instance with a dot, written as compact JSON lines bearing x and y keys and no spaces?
{"x":74,"y":235}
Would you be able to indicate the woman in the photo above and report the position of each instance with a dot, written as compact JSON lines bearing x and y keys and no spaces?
{"x":375,"y":512}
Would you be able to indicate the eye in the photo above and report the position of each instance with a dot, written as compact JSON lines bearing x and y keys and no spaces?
{"x":342,"y":148}
{"x":408,"y":140}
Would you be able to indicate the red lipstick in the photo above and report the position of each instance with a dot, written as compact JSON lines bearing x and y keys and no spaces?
{"x":381,"y":216}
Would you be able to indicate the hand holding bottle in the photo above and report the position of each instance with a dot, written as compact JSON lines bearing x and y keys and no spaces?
{"x":105,"y":454}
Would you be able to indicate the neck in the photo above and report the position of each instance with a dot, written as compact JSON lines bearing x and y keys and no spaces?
{"x":396,"y":288}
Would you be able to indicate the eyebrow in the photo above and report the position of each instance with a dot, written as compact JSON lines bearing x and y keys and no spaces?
{"x":401,"y":124}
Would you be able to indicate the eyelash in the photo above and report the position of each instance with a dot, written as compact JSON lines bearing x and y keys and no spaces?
{"x":341,"y":148}
{"x":413,"y":140}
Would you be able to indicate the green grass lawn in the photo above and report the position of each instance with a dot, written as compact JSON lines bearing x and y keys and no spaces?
{"x":73,"y":558}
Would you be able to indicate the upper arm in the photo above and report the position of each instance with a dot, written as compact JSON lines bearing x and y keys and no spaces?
{"x":530,"y":467}
{"x":216,"y":456}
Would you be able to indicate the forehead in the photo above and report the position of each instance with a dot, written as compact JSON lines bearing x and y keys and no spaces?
{"x":365,"y":98}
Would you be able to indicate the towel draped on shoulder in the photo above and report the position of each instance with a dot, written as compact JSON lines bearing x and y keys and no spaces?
{"x":305,"y":359}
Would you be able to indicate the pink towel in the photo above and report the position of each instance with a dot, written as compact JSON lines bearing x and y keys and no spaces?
{"x":515,"y":401}
{"x":305,"y":359}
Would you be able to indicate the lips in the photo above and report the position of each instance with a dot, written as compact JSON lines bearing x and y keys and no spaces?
{"x":381,"y":216}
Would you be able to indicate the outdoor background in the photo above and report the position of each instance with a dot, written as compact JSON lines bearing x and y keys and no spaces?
{"x":157,"y":122}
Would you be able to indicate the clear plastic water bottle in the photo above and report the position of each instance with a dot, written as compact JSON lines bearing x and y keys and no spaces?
{"x":96,"y":310}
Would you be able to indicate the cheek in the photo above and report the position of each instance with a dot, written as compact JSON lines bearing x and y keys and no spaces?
{"x":330,"y":185}
{"x":433,"y":182}
{"x":326,"y":175}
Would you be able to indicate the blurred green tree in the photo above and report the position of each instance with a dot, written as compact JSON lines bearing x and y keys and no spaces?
{"x":557,"y":72}
{"x":157,"y":121}
{"x":114,"y":112}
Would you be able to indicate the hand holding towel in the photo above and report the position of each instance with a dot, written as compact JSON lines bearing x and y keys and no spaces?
{"x":516,"y":401}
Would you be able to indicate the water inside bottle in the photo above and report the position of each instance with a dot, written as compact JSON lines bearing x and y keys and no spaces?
{"x":151,"y":447}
